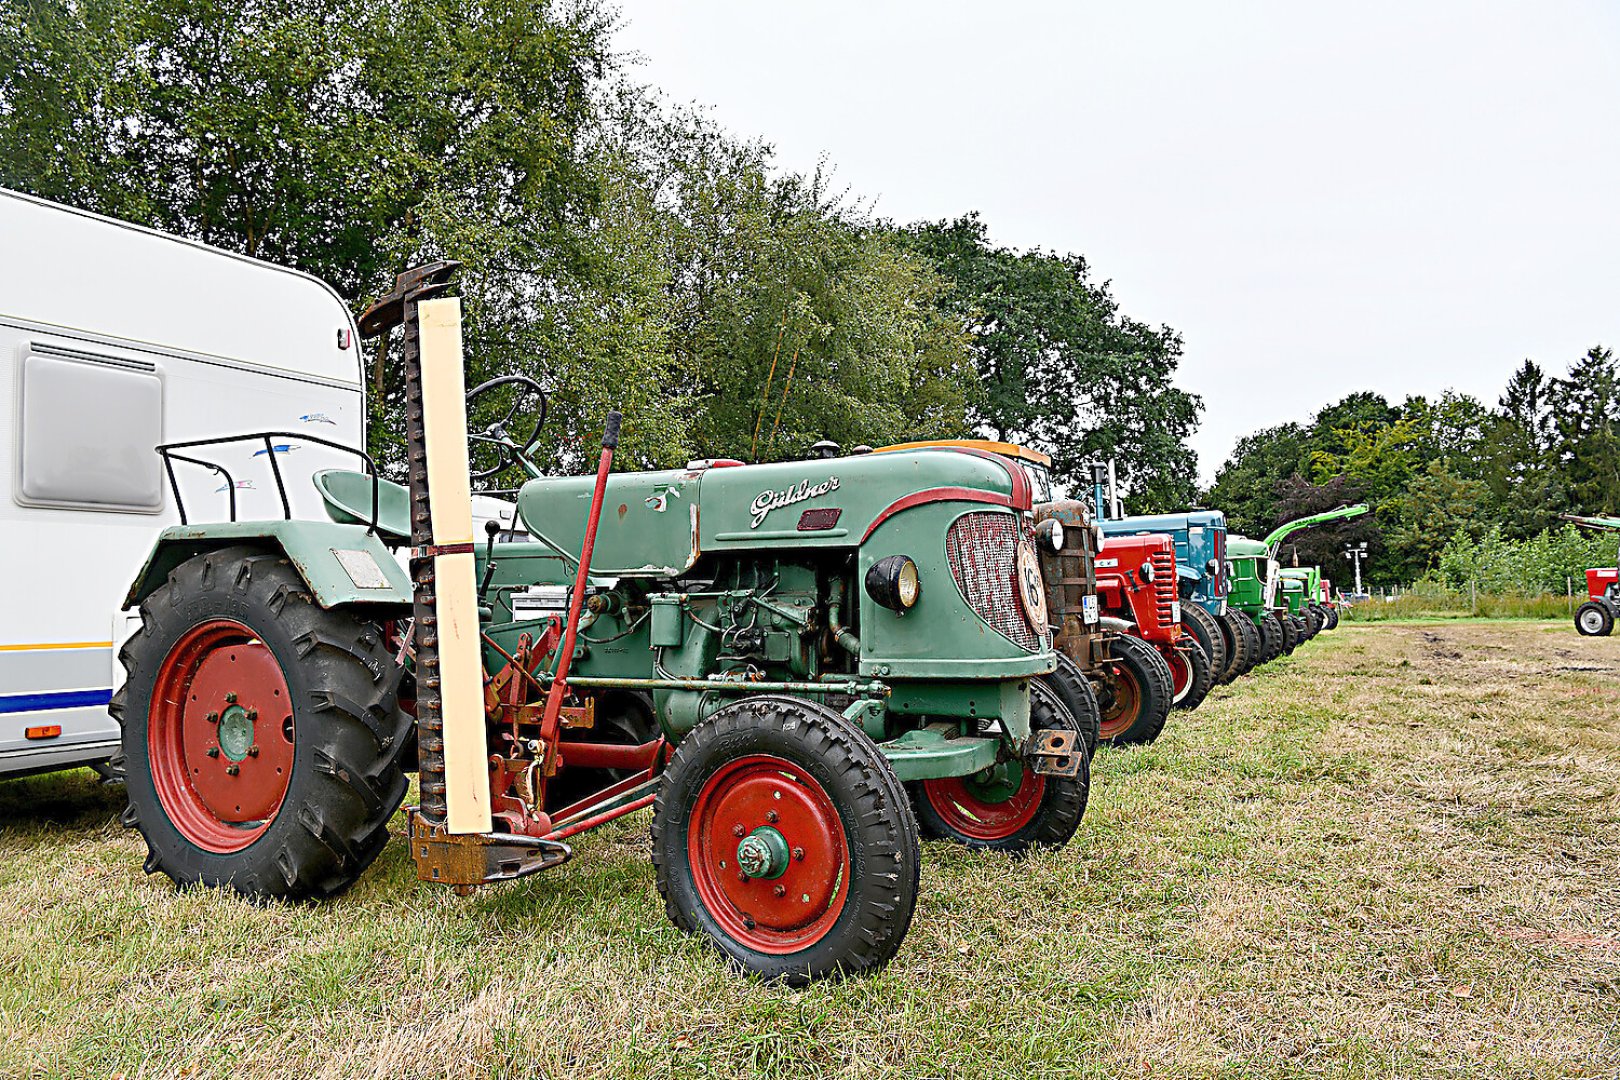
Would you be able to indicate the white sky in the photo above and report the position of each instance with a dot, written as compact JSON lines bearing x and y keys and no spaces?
{"x":1400,"y":197}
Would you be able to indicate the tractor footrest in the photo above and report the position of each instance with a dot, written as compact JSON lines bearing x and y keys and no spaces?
{"x":466,"y":860}
{"x":1055,"y":752}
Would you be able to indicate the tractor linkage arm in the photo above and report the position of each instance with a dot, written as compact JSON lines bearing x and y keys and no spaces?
{"x":1282,"y":532}
{"x":1593,"y":522}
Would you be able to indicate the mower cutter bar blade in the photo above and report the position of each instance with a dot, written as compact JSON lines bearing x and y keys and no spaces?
{"x":465,"y":860}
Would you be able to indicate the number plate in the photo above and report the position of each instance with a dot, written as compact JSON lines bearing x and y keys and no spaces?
{"x":1088,"y":608}
{"x":1175,"y":611}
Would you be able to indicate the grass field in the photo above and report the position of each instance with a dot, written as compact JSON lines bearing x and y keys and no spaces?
{"x":1395,"y":854}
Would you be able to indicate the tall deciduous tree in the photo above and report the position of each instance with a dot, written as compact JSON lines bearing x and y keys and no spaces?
{"x":1062,"y":368}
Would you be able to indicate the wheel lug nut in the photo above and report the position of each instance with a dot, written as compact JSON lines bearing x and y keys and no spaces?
{"x":798,"y":853}
{"x":252,"y":714}
{"x":253,"y":751}
{"x":213,"y":751}
{"x":772,"y":816}
{"x":738,"y":831}
{"x":230,"y":697}
{"x":780,"y":890}
{"x":232,"y":769}
{"x":741,"y":876}
{"x":212,"y":718}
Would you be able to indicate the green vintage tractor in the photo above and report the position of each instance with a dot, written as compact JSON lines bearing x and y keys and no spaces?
{"x":1285,"y":605}
{"x":798,"y":666}
{"x":1252,"y":568}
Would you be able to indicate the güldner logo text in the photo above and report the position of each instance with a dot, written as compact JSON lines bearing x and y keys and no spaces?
{"x":766,"y":501}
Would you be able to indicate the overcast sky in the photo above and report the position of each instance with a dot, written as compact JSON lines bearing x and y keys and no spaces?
{"x":1402,"y":197}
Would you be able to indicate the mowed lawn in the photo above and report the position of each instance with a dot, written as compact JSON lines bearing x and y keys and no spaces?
{"x":1395,"y":854}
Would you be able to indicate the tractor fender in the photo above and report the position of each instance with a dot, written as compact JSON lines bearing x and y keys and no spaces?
{"x":1119,"y":626}
{"x":341,"y":564}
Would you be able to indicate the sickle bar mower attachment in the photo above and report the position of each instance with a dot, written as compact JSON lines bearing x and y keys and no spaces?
{"x":451,"y":833}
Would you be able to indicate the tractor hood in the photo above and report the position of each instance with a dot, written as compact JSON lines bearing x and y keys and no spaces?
{"x":657,"y":524}
{"x":1241,"y":547}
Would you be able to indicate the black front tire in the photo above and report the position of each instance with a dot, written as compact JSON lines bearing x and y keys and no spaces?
{"x":1201,"y":625}
{"x":1593,"y":619}
{"x":879,"y":834}
{"x":1062,"y":798}
{"x":1072,"y":687}
{"x":345,"y":782}
{"x":1199,"y":681}
{"x":1271,"y":635}
{"x":1143,"y":700}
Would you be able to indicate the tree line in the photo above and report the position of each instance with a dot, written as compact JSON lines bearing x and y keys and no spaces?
{"x":1462,"y":491}
{"x":624,"y":252}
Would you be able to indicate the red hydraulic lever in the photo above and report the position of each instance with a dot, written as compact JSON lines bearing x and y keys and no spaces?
{"x":576,"y":601}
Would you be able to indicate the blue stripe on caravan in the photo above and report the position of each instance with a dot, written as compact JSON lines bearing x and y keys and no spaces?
{"x":63,"y":699}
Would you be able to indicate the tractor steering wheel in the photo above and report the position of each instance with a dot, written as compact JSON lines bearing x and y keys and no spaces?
{"x":493,"y":449}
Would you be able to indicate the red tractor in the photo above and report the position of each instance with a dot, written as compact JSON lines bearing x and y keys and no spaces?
{"x":1137,"y":588}
{"x":1597,"y":616}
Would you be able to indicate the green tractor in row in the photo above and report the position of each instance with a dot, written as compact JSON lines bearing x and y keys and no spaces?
{"x":801,"y":667}
{"x":1287,"y":605}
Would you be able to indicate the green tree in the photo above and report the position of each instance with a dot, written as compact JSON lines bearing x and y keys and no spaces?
{"x":1521,"y":468}
{"x":1248,"y":488}
{"x":1438,"y":506}
{"x":1585,"y":407}
{"x":1062,"y":368}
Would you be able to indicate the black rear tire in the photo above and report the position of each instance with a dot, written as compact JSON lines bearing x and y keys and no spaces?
{"x":1331,"y":611}
{"x":1593,"y":619}
{"x":831,"y":755}
{"x":1062,"y":799}
{"x":1143,"y":700}
{"x":348,"y":732}
{"x":1199,"y":682}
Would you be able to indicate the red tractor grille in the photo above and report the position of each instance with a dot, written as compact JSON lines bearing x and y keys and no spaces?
{"x":1164,"y":586}
{"x":981,"y":547}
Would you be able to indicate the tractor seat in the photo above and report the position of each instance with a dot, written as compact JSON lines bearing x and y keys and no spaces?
{"x":347,"y":495}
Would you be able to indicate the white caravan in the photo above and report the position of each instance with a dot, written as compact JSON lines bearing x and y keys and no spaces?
{"x":113,"y":340}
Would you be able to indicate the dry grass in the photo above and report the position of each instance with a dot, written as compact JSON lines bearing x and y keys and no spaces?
{"x":1395,"y":854}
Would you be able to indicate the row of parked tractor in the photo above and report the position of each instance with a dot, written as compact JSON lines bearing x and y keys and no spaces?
{"x":802,"y":667}
{"x":1155,"y":611}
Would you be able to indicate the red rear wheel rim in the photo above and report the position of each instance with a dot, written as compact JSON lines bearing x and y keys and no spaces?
{"x":963,"y":805}
{"x":795,"y":908}
{"x":1127,"y":704}
{"x":219,"y":736}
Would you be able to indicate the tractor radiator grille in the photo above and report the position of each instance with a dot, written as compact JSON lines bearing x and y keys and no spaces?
{"x":981,"y":547}
{"x":1164,"y":585}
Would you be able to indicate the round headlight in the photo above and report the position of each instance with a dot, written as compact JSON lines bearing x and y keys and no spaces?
{"x":893,"y":582}
{"x":1097,"y":536}
{"x":1146,"y":570}
{"x":1050,"y":534}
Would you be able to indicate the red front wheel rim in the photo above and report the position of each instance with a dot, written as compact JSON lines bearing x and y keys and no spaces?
{"x":220,"y":736}
{"x":794,"y":898}
{"x":968,"y":809}
{"x":1127,"y":703}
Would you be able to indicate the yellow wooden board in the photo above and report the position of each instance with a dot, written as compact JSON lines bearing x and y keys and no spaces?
{"x":444,"y":416}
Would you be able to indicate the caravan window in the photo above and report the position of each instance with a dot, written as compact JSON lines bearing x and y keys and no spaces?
{"x":86,"y":430}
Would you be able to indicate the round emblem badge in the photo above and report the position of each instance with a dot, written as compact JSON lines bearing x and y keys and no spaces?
{"x":1031,"y":589}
